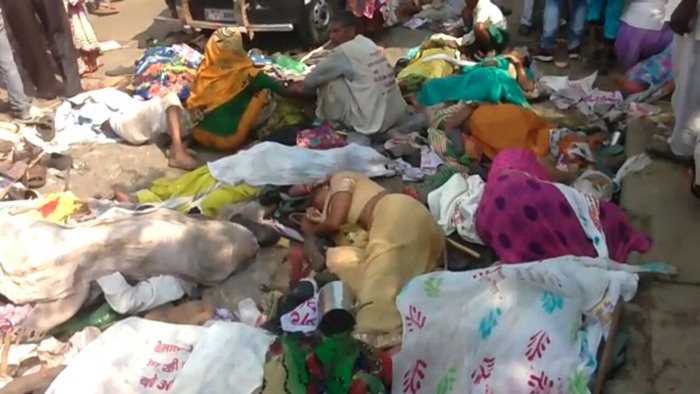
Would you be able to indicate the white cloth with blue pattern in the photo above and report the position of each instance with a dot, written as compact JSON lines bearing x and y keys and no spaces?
{"x":520,"y":328}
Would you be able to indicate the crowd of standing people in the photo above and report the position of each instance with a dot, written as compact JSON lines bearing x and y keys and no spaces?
{"x":53,"y":42}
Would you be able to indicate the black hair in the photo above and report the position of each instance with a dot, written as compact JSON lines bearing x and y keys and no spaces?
{"x":346,"y":19}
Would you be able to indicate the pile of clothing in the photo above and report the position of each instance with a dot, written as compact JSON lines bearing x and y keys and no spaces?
{"x":166,"y":69}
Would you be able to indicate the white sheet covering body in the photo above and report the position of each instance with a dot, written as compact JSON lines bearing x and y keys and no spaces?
{"x":276,"y":164}
{"x":454,"y":205}
{"x":513,"y":329}
{"x":54,"y":265}
{"x":142,"y":356}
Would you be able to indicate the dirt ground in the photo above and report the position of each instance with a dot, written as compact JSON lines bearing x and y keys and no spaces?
{"x":664,"y":317}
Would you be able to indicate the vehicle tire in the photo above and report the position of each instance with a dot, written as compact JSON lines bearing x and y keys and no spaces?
{"x":314,"y":27}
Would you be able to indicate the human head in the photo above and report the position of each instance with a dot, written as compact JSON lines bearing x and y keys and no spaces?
{"x":226,"y":41}
{"x":343,"y":28}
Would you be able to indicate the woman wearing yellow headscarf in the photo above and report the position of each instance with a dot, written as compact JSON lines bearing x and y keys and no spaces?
{"x":229,"y":93}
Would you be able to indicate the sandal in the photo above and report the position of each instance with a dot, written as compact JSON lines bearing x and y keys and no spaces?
{"x":44,"y":128}
{"x":104,"y":11}
{"x":290,"y":205}
{"x":59,"y":161}
{"x":35,"y":176}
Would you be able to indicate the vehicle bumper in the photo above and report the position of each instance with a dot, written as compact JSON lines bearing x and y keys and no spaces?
{"x":208,"y":25}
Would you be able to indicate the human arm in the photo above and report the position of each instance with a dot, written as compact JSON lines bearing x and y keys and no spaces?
{"x":336,"y":65}
{"x":263,"y":81}
{"x":519,"y":72}
{"x":682,"y":15}
{"x":456,"y":121}
{"x":565,"y":177}
{"x":340,"y":200}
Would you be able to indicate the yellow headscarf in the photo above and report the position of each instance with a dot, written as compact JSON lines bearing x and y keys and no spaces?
{"x":225,"y":72}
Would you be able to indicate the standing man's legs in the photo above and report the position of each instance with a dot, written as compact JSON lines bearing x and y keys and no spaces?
{"x":19,"y":102}
{"x":53,"y":15}
{"x":613,"y":16}
{"x":577,"y":24}
{"x":686,"y":98}
{"x":526,"y":19}
{"x":31,"y":46}
{"x":550,"y":28}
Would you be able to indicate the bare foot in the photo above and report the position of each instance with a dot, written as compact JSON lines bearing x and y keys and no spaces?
{"x":121,"y":195}
{"x":182,"y":160}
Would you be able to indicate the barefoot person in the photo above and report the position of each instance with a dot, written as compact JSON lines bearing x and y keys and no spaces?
{"x":653,"y":71}
{"x":230,"y":97}
{"x":684,"y":143}
{"x":141,"y":122}
{"x":489,"y":25}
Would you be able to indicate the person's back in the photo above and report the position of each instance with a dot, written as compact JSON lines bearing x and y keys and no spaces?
{"x":377,"y":101}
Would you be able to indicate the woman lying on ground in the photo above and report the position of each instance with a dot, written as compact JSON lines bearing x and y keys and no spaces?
{"x":653,"y":71}
{"x":525,"y":215}
{"x":404,"y":242}
{"x":502,"y":79}
{"x":481,"y":131}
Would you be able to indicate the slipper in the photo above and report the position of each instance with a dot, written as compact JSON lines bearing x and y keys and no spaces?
{"x":105,"y":11}
{"x":269,"y":195}
{"x":59,"y":161}
{"x":291,"y":205}
{"x":45,"y":131}
{"x":16,"y":172}
{"x":35,"y":177}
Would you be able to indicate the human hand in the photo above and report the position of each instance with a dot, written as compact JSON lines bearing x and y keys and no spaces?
{"x":307,"y":227}
{"x":313,"y":215}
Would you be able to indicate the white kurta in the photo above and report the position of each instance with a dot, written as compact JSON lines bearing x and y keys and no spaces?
{"x":685,"y":140}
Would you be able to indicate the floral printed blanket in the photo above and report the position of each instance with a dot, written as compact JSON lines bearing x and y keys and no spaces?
{"x":529,"y":328}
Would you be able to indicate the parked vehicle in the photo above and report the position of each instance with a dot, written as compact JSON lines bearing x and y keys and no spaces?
{"x":309,"y":18}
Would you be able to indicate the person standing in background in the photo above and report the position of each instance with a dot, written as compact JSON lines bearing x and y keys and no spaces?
{"x":684,"y":143}
{"x":606,"y":13}
{"x":642,"y":33}
{"x":34,"y":23}
{"x":550,"y":29}
{"x":84,"y":37}
{"x":20,"y":104}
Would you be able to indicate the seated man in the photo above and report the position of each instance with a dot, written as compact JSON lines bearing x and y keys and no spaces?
{"x":486,"y":26}
{"x":355,"y":84}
